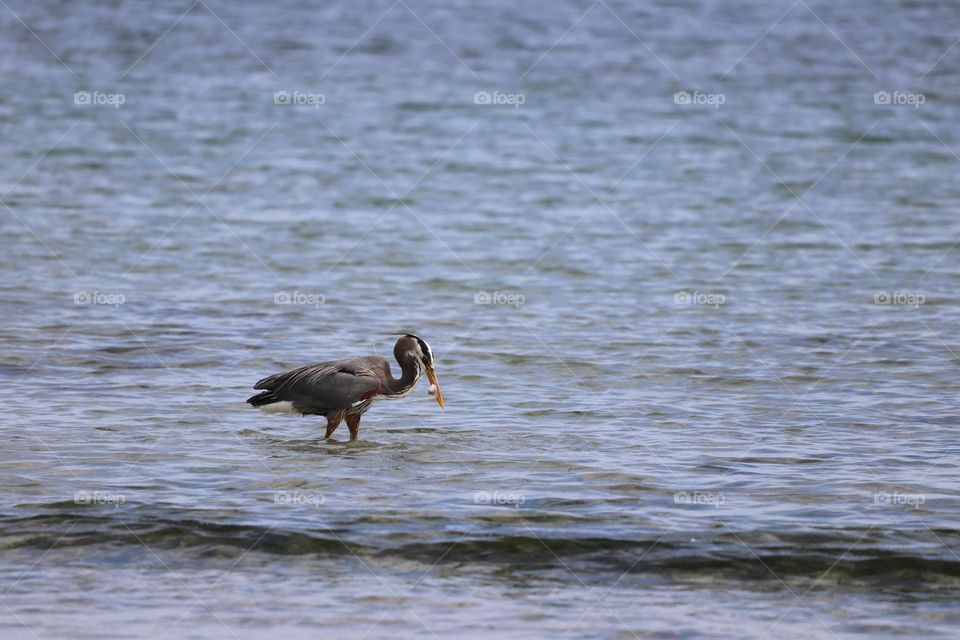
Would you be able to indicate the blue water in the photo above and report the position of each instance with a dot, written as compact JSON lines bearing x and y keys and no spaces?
{"x":688,"y":269}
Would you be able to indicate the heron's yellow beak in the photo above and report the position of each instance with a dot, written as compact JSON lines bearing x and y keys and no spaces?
{"x":432,"y":377}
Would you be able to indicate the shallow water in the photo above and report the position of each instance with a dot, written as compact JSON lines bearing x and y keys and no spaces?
{"x":713,"y":395}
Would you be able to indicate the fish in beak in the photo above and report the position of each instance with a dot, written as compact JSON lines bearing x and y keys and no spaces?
{"x":434,"y":387}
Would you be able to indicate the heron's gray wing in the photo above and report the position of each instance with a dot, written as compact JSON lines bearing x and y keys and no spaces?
{"x":326,"y":386}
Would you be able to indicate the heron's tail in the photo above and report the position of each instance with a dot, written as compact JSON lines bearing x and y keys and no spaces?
{"x":265,"y":397}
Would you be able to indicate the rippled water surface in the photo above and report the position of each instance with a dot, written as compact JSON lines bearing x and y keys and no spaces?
{"x":688,"y":268}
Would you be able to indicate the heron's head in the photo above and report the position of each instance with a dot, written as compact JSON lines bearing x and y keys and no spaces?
{"x":410,"y":345}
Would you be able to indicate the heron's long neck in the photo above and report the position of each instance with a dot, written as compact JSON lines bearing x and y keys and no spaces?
{"x":410,"y":376}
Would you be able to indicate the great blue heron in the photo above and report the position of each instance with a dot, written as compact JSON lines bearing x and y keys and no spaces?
{"x":346,"y":388}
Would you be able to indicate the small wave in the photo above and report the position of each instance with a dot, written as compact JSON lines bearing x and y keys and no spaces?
{"x":769,"y":556}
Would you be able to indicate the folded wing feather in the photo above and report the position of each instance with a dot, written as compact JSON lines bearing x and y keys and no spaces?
{"x":324,"y":387}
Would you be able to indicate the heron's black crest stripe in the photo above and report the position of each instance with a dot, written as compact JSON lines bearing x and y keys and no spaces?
{"x":424,"y":347}
{"x":427,"y":353}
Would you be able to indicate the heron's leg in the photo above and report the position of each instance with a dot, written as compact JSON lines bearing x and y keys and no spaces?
{"x":353,"y":423}
{"x":333,"y":421}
